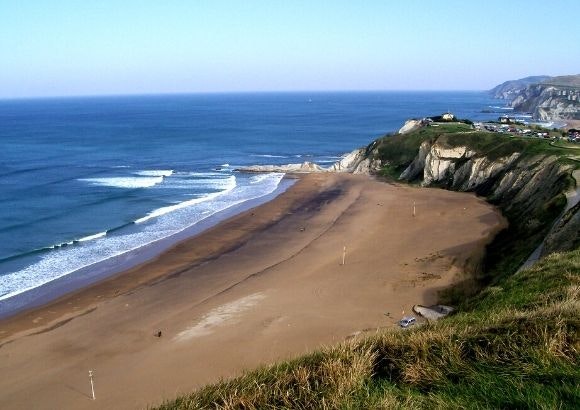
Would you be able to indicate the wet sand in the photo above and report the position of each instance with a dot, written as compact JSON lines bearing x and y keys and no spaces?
{"x":265,"y":285}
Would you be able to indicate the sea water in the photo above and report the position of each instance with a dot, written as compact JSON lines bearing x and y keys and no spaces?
{"x":88,"y":180}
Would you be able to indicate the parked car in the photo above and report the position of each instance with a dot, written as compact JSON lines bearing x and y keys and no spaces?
{"x":407,"y":321}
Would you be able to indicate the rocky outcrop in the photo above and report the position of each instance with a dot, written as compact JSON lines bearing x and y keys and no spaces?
{"x":356,"y":162}
{"x":410,"y":125}
{"x":418,"y":165}
{"x":441,"y":162}
{"x":305,"y":167}
{"x":434,"y":312}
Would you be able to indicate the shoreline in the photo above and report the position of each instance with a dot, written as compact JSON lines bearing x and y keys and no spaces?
{"x":261,"y":286}
{"x":122,"y":274}
{"x":88,"y":276}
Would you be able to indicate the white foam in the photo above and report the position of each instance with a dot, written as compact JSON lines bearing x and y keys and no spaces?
{"x":155,"y":173}
{"x":204,"y":181}
{"x":256,"y":179}
{"x":92,"y":237}
{"x":62,"y":245}
{"x":171,"y":220}
{"x":218,"y":183}
{"x":231,"y":184}
{"x":200,"y":174}
{"x":269,"y":156}
{"x":125,"y":182}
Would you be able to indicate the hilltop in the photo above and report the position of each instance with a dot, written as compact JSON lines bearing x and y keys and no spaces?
{"x":506,"y":89}
{"x":563,"y":81}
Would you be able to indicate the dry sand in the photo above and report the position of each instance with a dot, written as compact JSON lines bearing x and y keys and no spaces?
{"x":265,"y":285}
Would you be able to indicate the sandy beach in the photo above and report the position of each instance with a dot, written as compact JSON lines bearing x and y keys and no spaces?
{"x":265,"y":285}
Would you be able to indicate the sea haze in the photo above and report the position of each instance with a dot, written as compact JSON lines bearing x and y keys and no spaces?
{"x":83,"y":180}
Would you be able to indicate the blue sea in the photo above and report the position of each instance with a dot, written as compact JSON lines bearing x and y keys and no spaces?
{"x":84,"y":182}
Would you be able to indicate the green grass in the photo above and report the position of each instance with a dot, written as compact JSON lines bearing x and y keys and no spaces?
{"x":567,"y":145}
{"x":399,"y":150}
{"x":516,"y":347}
{"x":496,"y":145}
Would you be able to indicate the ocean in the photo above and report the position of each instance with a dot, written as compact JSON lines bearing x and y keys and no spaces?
{"x":86,"y":182}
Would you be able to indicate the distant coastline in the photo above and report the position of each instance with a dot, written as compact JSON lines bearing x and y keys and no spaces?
{"x":547,"y":99}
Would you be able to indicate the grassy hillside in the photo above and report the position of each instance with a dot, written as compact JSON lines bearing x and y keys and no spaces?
{"x":515,"y":346}
{"x":564,"y":80}
{"x":399,"y":150}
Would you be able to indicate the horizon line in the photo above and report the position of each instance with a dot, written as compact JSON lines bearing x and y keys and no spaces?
{"x":186,"y":93}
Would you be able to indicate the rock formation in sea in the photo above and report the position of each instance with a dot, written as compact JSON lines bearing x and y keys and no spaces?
{"x":355,"y":162}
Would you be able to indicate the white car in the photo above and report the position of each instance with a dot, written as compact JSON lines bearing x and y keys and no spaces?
{"x":407,"y":321}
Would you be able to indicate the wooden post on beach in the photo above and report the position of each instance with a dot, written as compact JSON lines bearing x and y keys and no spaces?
{"x":414,"y":208}
{"x":344,"y":255}
{"x":92,"y":386}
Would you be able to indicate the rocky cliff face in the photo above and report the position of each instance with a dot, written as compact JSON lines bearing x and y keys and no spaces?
{"x":357,"y":162}
{"x":548,"y":102}
{"x":527,"y":188}
{"x":547,"y":98}
{"x":513,"y":181}
{"x":506,"y":90}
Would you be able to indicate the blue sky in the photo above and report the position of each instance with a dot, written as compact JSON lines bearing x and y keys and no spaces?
{"x":53,"y":48}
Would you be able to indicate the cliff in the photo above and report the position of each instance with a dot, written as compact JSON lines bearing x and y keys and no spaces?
{"x":550,"y":98}
{"x":548,"y":102}
{"x":507,"y":89}
{"x":525,"y":178}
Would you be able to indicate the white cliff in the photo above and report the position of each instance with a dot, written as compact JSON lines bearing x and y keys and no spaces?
{"x":410,"y":125}
{"x":441,"y":162}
